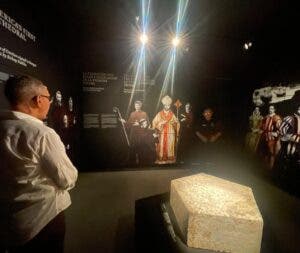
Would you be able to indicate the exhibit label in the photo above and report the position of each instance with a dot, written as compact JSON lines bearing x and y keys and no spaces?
{"x":17,"y":59}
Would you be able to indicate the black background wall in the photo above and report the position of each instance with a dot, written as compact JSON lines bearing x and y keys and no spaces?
{"x":73,"y":37}
{"x":51,"y":51}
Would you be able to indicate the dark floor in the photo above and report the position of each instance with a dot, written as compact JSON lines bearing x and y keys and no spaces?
{"x":101,"y":218}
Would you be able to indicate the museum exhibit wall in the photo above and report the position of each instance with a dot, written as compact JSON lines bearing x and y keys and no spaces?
{"x":59,"y":44}
{"x":214,"y":72}
{"x":32,"y":43}
{"x":103,"y":134}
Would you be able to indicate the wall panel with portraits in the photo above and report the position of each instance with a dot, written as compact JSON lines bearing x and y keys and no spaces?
{"x":274,"y":132}
{"x":130,"y":126}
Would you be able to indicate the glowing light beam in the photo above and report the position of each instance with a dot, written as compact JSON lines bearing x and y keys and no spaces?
{"x":169,"y":79}
{"x":182,"y":7}
{"x":141,"y":66}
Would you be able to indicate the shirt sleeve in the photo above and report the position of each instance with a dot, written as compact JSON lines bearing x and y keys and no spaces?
{"x":55,"y":161}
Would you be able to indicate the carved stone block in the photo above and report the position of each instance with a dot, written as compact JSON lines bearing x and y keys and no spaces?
{"x":216,"y":214}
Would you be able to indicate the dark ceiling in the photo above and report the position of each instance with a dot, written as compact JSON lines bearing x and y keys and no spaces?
{"x":216,"y":31}
{"x":97,"y":35}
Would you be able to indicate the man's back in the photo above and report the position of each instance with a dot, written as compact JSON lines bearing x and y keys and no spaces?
{"x":35,"y":175}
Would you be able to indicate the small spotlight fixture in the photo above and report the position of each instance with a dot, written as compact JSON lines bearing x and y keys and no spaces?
{"x":144,"y":38}
{"x":175,"y":41}
{"x":247,"y":45}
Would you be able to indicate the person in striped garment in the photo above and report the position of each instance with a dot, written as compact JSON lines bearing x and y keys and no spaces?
{"x":288,"y":162}
{"x":270,"y":136}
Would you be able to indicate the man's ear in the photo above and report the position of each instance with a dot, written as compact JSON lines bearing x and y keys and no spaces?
{"x":35,"y":101}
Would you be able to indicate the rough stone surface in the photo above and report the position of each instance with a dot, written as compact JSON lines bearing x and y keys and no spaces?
{"x":216,"y":214}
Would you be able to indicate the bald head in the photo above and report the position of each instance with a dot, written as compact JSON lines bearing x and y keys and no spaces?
{"x":22,"y":89}
{"x":28,"y":95}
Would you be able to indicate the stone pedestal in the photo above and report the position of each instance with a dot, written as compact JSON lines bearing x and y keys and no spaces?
{"x":216,"y":214}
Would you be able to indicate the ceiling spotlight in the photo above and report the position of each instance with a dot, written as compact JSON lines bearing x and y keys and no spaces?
{"x":175,"y":41}
{"x":247,"y":45}
{"x":144,"y":38}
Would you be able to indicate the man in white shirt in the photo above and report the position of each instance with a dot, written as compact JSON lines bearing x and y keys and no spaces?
{"x":35,"y":172}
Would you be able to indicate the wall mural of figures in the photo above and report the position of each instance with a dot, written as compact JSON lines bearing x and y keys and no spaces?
{"x":269,"y":142}
{"x":134,"y":126}
{"x":287,"y":162}
{"x":254,"y":135}
{"x":125,"y":122}
{"x":186,"y":135}
{"x":275,"y":137}
{"x":166,"y":139}
{"x":167,"y":125}
{"x":155,"y":142}
{"x":209,"y":132}
{"x":122,"y":128}
{"x":63,"y":119}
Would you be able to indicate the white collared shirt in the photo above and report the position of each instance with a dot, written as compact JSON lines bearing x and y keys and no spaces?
{"x":35,"y":176}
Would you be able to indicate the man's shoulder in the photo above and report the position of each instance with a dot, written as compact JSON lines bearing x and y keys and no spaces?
{"x":37,"y":127}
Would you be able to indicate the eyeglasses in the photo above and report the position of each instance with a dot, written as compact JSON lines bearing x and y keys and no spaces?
{"x":49,"y":98}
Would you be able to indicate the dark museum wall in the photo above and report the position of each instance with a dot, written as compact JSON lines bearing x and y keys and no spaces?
{"x":214,"y":71}
{"x":36,"y":40}
{"x":51,"y":49}
{"x":85,"y":48}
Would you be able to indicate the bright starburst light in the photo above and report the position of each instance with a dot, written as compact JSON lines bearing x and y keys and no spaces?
{"x":140,"y":63}
{"x":144,"y":38}
{"x":169,"y":80}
